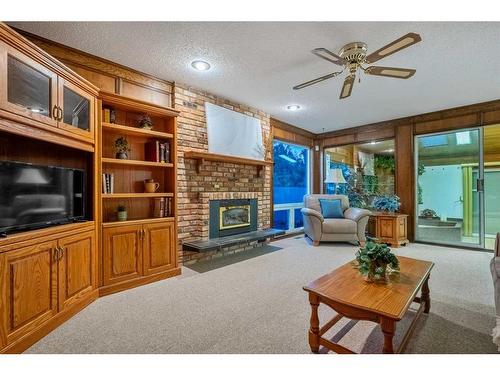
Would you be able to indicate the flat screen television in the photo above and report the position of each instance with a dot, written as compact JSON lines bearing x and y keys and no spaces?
{"x":36,"y":196}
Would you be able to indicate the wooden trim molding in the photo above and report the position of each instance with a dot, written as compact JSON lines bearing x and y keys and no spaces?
{"x":290,"y":133}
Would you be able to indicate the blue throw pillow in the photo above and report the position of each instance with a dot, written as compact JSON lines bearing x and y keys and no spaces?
{"x":331,"y":208}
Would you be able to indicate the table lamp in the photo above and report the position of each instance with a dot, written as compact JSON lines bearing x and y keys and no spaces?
{"x":335,"y":176}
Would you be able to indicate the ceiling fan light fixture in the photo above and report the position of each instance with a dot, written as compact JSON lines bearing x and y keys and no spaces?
{"x":353,"y":56}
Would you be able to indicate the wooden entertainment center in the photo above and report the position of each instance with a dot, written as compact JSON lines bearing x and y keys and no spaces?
{"x":48,"y":275}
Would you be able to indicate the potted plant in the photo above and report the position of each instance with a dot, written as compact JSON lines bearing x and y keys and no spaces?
{"x":121,"y":148}
{"x":145,"y":122}
{"x":375,"y":261}
{"x":122,"y":213}
{"x":428,"y":214}
{"x":387,"y":203}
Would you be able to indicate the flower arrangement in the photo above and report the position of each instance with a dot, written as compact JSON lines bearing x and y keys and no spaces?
{"x":375,"y":261}
{"x":145,"y":122}
{"x":388,"y":203}
{"x":121,"y":148}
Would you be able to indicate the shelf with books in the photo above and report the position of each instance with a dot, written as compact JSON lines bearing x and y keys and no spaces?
{"x":138,"y":177}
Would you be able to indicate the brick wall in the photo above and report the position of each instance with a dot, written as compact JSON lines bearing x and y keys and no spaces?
{"x":213,"y":176}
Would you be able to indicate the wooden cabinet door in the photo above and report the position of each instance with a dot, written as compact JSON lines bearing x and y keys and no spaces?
{"x":28,"y":289}
{"x":27,"y":88}
{"x":77,"y":268}
{"x":78,"y":108}
{"x":122,"y":253}
{"x":159,"y":247}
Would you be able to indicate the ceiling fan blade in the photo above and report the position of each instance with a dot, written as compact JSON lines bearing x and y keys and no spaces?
{"x":390,"y":72}
{"x":393,"y":47}
{"x":347,"y":87}
{"x":329,"y":56}
{"x":317,"y":80}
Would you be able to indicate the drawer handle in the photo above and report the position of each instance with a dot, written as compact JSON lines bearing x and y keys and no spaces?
{"x":60,"y":111}
{"x":61,"y":252}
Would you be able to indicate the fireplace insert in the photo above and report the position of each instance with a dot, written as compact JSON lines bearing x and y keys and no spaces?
{"x":232,"y":216}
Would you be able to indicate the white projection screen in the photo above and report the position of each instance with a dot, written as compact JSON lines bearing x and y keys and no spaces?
{"x":233,"y":133}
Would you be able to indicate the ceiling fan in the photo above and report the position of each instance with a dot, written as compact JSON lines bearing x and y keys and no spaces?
{"x":353,"y":56}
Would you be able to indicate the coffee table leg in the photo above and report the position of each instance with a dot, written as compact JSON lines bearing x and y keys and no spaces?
{"x":426,"y":296}
{"x":314,"y":329}
{"x":388,"y":328}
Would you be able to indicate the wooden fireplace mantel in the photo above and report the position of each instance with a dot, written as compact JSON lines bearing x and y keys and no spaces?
{"x":202,"y":156}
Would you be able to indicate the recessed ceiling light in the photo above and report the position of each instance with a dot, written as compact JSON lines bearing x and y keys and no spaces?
{"x":293,"y":107}
{"x":200,"y":65}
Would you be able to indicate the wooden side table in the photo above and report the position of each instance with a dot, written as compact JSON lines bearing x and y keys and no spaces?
{"x":389,"y":228}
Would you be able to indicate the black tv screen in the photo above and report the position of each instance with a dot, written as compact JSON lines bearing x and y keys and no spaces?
{"x":36,"y":196}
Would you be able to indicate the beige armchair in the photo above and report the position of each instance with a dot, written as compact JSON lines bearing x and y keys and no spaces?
{"x":317,"y":228}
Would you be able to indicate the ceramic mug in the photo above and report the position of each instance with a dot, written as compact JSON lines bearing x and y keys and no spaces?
{"x":151,"y":186}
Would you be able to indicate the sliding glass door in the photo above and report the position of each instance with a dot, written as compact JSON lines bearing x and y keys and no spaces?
{"x":449,"y":191}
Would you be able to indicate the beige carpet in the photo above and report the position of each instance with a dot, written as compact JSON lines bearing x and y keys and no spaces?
{"x":256,"y":304}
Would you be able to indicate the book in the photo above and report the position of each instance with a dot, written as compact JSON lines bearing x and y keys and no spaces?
{"x":104,"y":183}
{"x":168,"y":211}
{"x":167,"y":152}
{"x":112,"y":116}
{"x":162,"y":152}
{"x":152,"y":151}
{"x":106,"y":115}
{"x":108,"y":181}
{"x":157,"y":207}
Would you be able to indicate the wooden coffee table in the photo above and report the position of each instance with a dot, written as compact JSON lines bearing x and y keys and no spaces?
{"x":346,"y":292}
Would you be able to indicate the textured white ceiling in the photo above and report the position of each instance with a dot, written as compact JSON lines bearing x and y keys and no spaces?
{"x":257,"y":63}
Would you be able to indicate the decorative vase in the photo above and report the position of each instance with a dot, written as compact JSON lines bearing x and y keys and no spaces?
{"x":121,"y":155}
{"x":122,"y":215}
{"x":150,"y":186}
{"x":371,"y":275}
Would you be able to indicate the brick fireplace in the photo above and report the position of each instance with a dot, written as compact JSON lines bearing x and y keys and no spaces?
{"x":214,"y":180}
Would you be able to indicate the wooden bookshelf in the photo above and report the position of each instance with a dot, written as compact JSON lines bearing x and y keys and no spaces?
{"x":129,"y":174}
{"x":142,"y":248}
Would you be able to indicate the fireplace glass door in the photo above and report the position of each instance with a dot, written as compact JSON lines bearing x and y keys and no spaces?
{"x":234,"y":217}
